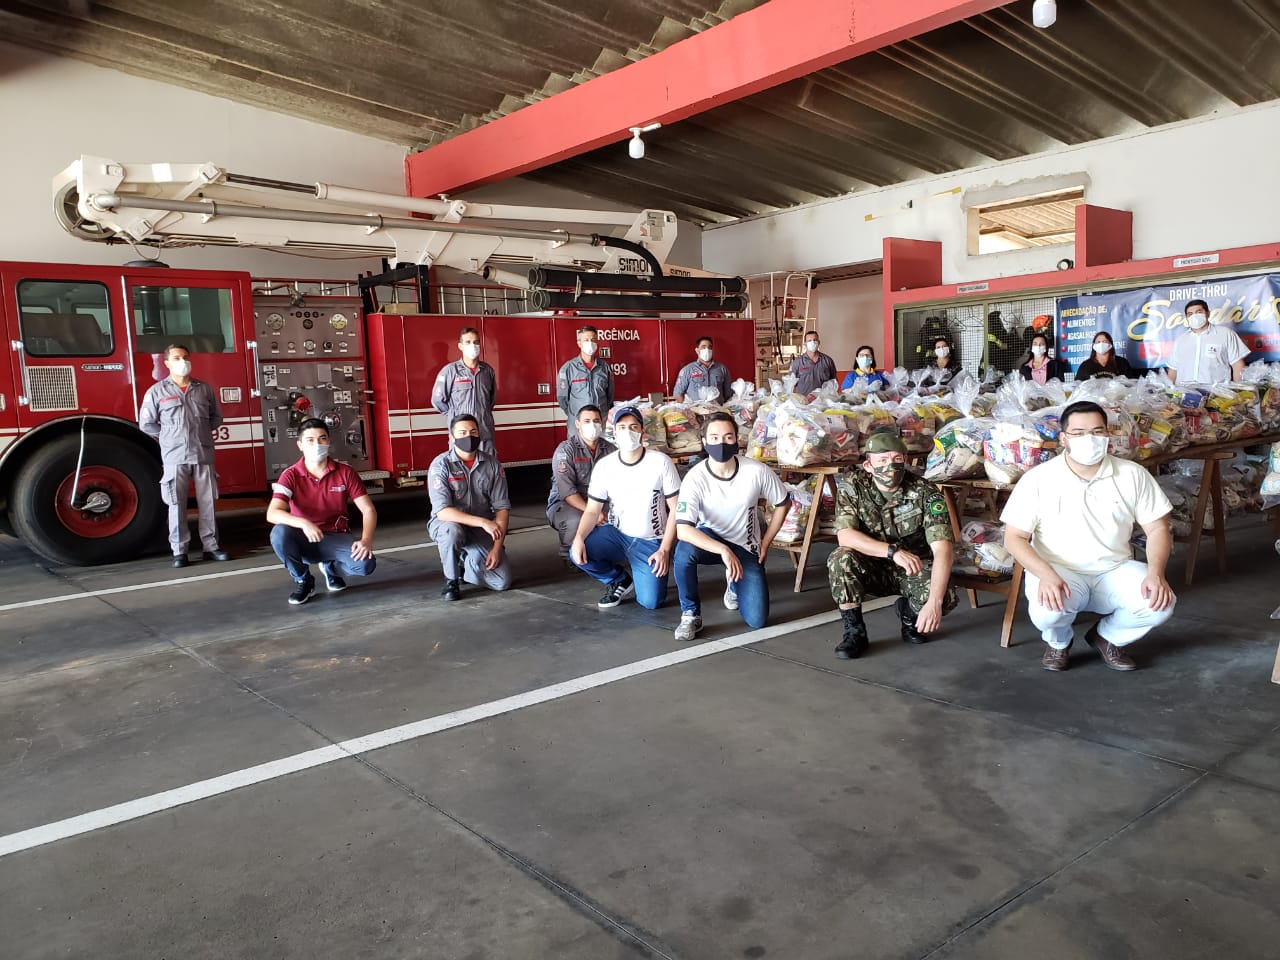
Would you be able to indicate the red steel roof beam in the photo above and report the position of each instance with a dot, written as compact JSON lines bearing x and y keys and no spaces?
{"x":761,"y":48}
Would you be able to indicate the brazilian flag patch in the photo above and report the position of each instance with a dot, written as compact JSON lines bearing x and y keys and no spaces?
{"x":938,"y":507}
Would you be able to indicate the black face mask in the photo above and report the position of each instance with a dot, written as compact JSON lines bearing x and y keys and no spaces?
{"x":467,"y":444}
{"x":721,"y":452}
{"x":890,"y":475}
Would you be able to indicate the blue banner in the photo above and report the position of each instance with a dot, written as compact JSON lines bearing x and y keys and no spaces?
{"x":1144,"y":322}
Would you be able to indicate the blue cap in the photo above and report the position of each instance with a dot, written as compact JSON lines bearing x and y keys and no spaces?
{"x":629,"y":412}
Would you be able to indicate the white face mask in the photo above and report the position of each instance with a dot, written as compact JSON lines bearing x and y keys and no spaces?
{"x":1102,"y":347}
{"x":942,"y":352}
{"x":1197,"y":320}
{"x":589,"y":432}
{"x":705,"y":354}
{"x":1088,"y":450}
{"x":588,"y":348}
{"x":316,"y":452}
{"x":626,"y":441}
{"x":470,"y":351}
{"x":811,"y":346}
{"x":864,"y":363}
{"x":1038,"y":350}
{"x":180,"y":368}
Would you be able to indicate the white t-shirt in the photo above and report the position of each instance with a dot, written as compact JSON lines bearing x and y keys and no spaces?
{"x":728,"y":507}
{"x":1085,"y":525}
{"x":636,"y":492}
{"x":1207,"y":357}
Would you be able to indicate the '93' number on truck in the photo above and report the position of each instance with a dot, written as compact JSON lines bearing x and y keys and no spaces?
{"x":619,"y":369}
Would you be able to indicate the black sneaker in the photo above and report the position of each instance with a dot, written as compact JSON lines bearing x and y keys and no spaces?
{"x":331,"y":580}
{"x":616,"y":593}
{"x":452,"y":590}
{"x":302,"y":591}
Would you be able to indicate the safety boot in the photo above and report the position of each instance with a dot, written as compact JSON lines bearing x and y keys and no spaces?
{"x":854,"y":642}
{"x":909,"y":632}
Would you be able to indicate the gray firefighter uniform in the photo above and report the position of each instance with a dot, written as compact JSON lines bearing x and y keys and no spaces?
{"x":480,"y":491}
{"x":571,"y":467}
{"x":184,"y":421}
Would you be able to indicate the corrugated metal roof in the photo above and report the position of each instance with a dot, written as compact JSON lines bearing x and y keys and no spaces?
{"x":992,"y":87}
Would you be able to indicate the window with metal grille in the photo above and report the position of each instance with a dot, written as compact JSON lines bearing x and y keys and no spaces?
{"x":64,"y":318}
{"x":984,"y":335}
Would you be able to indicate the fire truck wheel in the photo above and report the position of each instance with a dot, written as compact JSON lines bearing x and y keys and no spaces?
{"x":118,"y":512}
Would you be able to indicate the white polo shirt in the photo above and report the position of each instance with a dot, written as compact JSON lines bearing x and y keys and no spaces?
{"x":728,"y":507}
{"x":1085,"y":525}
{"x":636,"y":492}
{"x":1207,"y":357}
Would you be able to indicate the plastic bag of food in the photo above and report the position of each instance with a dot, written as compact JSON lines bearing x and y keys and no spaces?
{"x":654,"y":431}
{"x":793,"y":526}
{"x":981,"y":550}
{"x":1237,"y":406}
{"x":681,"y":426}
{"x":1013,"y":448}
{"x":957,"y":450}
{"x":916,"y":423}
{"x":804,"y":436}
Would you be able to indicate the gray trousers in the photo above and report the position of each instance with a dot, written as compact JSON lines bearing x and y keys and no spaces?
{"x":174,"y":483}
{"x":462,"y":552}
{"x":564,"y":521}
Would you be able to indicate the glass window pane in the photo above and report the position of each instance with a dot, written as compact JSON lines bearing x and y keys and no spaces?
{"x":198,"y":318}
{"x":65,"y":318}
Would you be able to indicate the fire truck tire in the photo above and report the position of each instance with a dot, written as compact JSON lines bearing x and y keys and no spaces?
{"x":123,"y":481}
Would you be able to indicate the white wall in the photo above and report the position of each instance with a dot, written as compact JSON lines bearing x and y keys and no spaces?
{"x":1199,"y":185}
{"x":53,"y":109}
{"x":849,"y":315}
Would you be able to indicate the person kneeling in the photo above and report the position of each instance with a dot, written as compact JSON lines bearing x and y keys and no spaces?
{"x":1069,"y":522}
{"x":309,"y":510}
{"x":894,"y":535}
{"x":631,"y":553}
{"x":470,"y":510}
{"x":717,"y":522}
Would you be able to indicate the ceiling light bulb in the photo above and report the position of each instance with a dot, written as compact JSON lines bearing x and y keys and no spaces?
{"x":636,"y":146}
{"x":1044,"y":13}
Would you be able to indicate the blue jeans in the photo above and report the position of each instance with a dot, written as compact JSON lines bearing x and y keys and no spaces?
{"x":752,"y":589}
{"x":611,"y":555}
{"x":297,"y":553}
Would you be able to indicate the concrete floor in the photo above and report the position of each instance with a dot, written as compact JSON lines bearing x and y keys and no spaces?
{"x":951,"y":800}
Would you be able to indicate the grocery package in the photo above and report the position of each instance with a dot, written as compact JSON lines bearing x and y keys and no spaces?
{"x":1013,"y":448}
{"x":804,"y":435}
{"x":1266,"y":377}
{"x":916,"y":423}
{"x":981,"y":550}
{"x":681,"y":426}
{"x":957,"y":449}
{"x":655,"y":432}
{"x":793,"y":526}
{"x":1271,"y":482}
{"x":743,"y":404}
{"x":1161,"y":425}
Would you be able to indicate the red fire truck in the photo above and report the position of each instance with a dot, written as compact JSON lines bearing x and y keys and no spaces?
{"x":79,"y":483}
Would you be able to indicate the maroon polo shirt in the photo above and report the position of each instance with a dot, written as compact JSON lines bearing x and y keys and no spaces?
{"x":322,"y":500}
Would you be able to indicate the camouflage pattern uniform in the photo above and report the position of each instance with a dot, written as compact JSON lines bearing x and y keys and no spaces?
{"x":911,"y":517}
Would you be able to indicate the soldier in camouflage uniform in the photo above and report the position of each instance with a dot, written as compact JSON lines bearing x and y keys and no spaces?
{"x":895,"y":536}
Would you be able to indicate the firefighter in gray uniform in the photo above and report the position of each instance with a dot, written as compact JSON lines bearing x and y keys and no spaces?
{"x":702,"y":375}
{"x":469,"y":386}
{"x":584,"y":380}
{"x":183,"y":413}
{"x":470,"y":510}
{"x":571,"y":467}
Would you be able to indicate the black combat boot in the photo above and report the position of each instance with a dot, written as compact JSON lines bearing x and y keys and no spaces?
{"x":854,"y":643}
{"x":909,"y":632}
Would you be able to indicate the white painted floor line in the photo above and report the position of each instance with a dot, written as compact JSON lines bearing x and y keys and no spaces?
{"x":203,"y":789}
{"x":183,"y":581}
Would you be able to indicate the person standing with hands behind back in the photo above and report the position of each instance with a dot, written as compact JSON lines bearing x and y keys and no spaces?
{"x":812,"y":368}
{"x":469,"y":386}
{"x":182,"y":413}
{"x":1206,"y":353}
{"x":584,"y":380}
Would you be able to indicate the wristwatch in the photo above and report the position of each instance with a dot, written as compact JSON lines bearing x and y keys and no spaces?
{"x":892,"y":550}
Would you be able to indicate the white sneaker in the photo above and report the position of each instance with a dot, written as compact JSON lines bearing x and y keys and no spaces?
{"x":730,"y":595}
{"x":690,"y":624}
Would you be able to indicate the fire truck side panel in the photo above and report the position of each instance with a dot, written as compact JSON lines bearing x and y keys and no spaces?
{"x":735,"y":346}
{"x":529,"y":422}
{"x":208,"y":312}
{"x":631,"y":347}
{"x":388,"y":379}
{"x":312,"y":356}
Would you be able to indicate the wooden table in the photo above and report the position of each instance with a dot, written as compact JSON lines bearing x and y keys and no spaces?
{"x":799,"y":551}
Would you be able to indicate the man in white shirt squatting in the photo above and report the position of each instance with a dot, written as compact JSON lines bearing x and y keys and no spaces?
{"x":1068,"y":522}
{"x":717,"y":522}
{"x":631,"y":554}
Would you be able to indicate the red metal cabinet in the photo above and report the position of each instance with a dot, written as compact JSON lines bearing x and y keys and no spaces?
{"x":529,"y":422}
{"x":734,"y":346}
{"x":631,"y":347}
